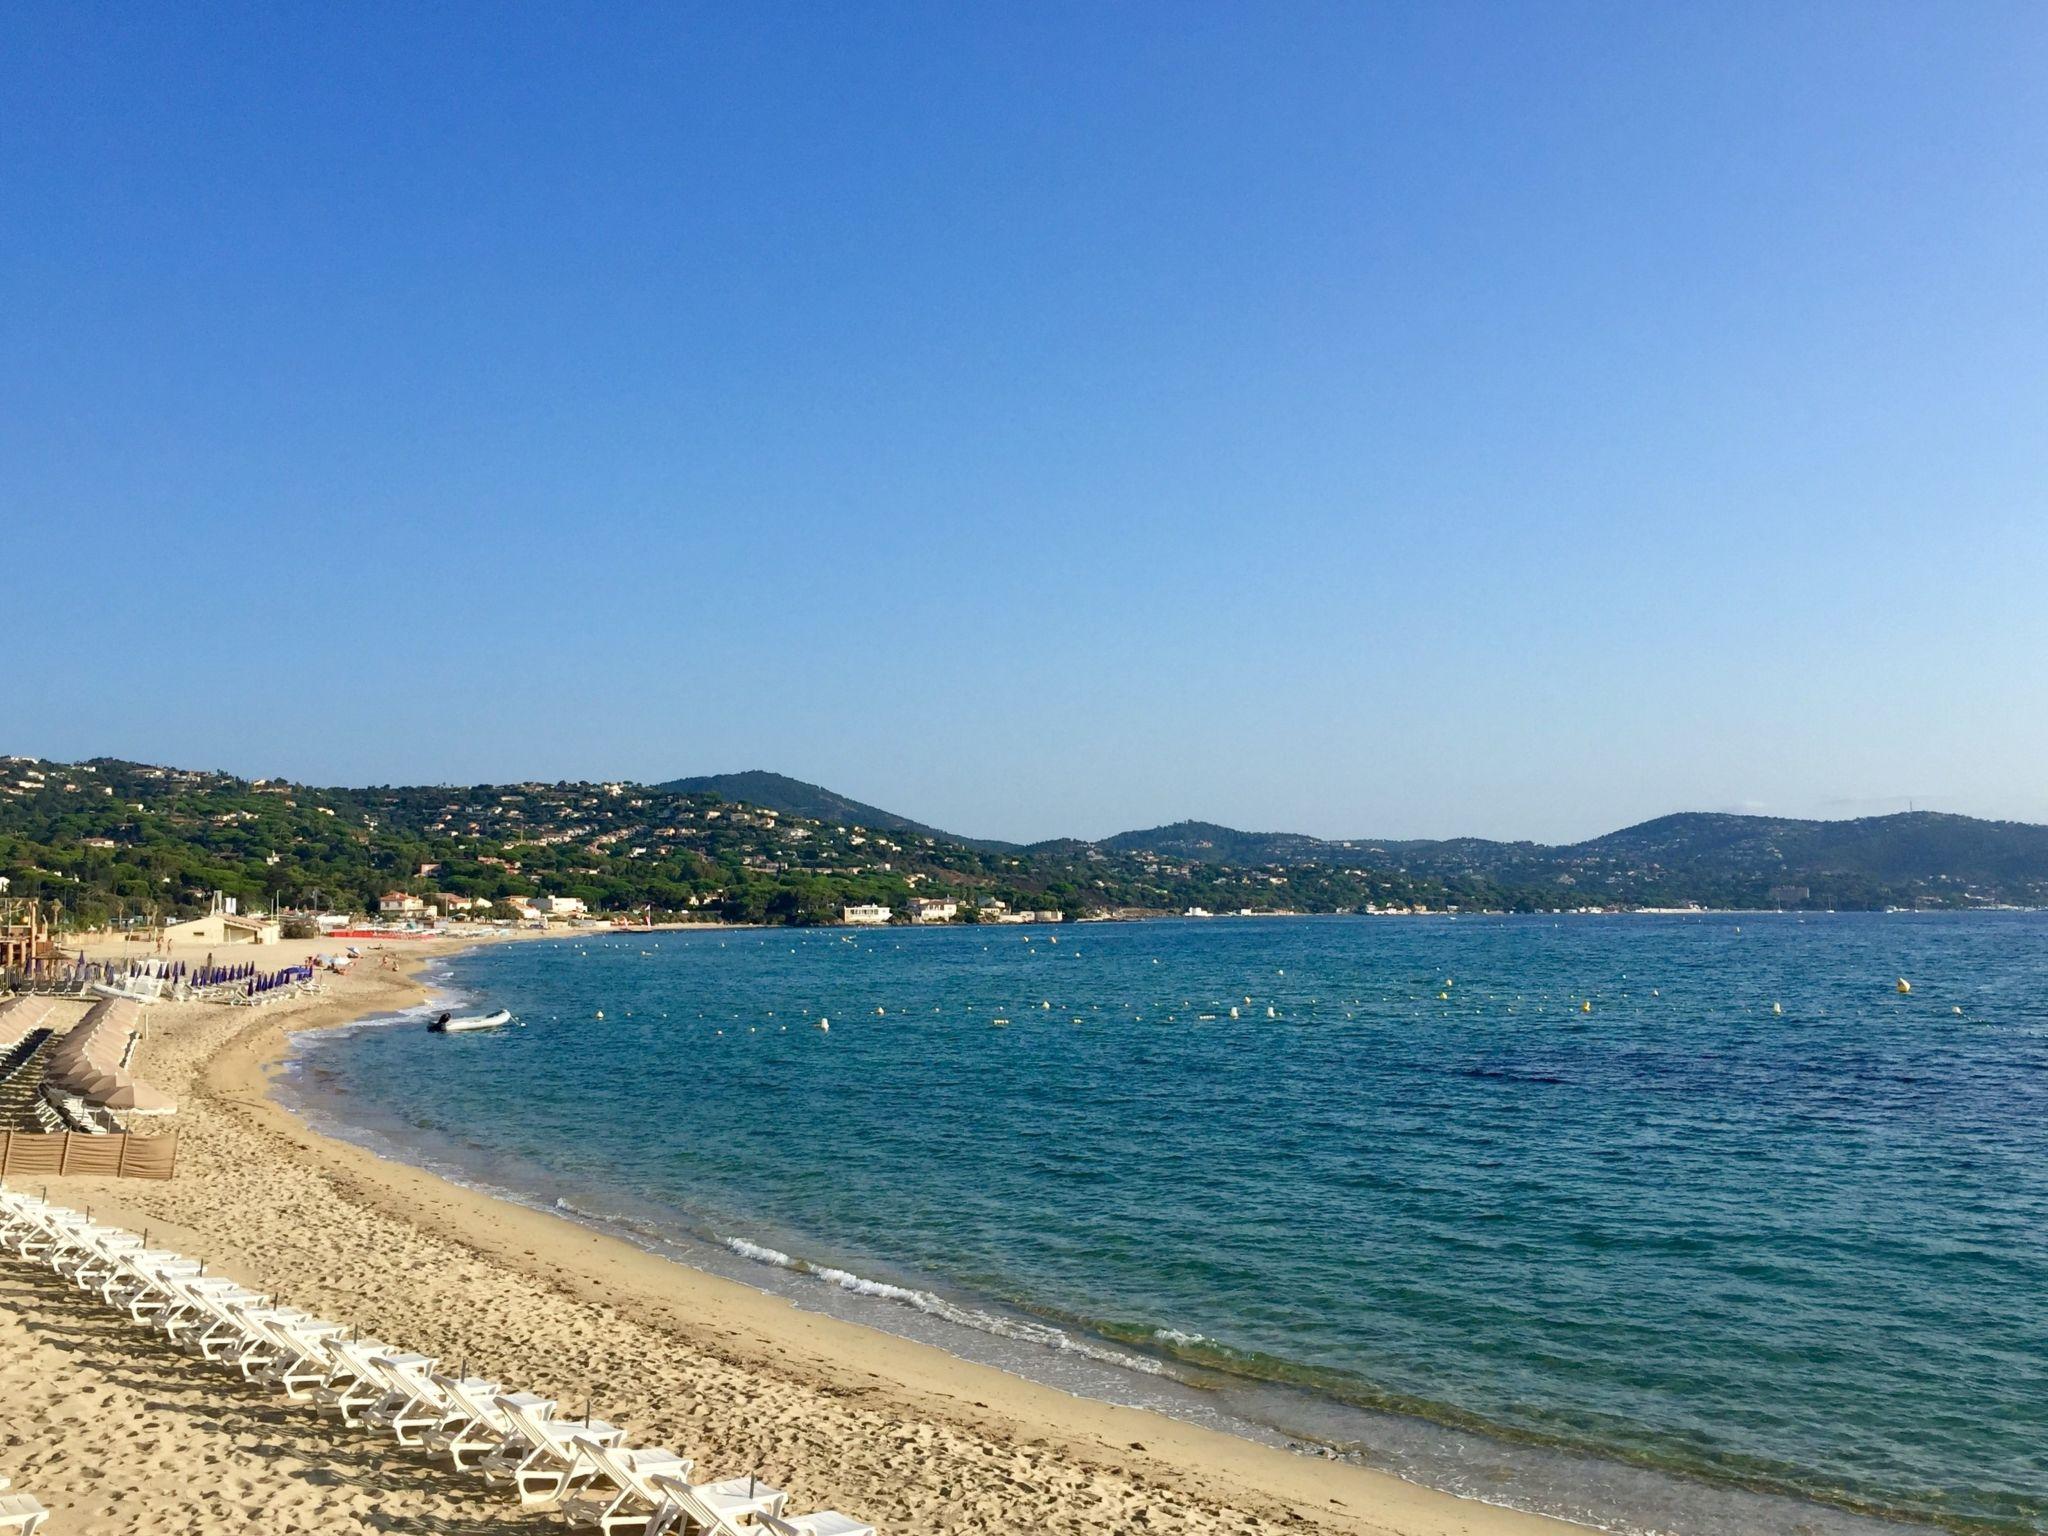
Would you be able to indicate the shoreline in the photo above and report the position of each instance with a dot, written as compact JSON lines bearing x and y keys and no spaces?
{"x":1466,"y":1460}
{"x":948,"y":1377}
{"x":1082,"y":1459}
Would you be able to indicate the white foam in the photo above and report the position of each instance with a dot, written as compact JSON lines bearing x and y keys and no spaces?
{"x":1019,"y":1329}
{"x":755,"y":1251}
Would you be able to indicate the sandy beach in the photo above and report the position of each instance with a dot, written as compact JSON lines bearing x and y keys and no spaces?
{"x":118,"y":1433}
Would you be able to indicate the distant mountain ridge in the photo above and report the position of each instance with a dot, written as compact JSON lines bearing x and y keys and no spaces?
{"x":1908,"y":847}
{"x":1689,"y":855}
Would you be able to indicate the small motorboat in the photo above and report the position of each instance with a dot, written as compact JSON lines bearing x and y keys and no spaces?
{"x":449,"y":1024}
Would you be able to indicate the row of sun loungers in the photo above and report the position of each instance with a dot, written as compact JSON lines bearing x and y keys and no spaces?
{"x":91,"y":1062}
{"x":580,"y":1467}
{"x":20,"y":1018}
{"x":24,"y":1031}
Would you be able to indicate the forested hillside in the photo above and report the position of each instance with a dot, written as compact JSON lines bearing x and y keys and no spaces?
{"x":106,"y":839}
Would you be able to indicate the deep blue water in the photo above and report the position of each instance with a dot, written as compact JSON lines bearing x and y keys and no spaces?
{"x":1802,"y":1251}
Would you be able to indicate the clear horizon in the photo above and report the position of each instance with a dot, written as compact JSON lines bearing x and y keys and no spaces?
{"x":1505,"y":421}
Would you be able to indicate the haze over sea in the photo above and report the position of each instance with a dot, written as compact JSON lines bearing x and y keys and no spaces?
{"x":1680,"y":1262}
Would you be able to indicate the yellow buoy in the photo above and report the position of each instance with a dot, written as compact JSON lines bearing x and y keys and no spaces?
{"x":1443,"y":997}
{"x":1586,"y":1006}
{"x":600,"y":1013}
{"x":1777,"y":1007}
{"x":1956,"y":1010}
{"x":1905,"y":985}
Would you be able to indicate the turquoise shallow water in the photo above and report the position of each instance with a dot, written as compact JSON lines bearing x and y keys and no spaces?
{"x":1804,"y":1252}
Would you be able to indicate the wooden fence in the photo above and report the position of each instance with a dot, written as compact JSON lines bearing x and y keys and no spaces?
{"x":32,"y":1154}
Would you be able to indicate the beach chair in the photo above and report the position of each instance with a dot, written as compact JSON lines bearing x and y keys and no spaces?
{"x":412,"y":1404}
{"x":219,"y":1328}
{"x":542,"y":1458}
{"x":285,"y":1342}
{"x":59,"y":1233}
{"x":132,"y":1274}
{"x":47,"y":1229}
{"x":622,"y":1496}
{"x":17,"y":1209}
{"x":20,"y":1514}
{"x":353,"y":1384}
{"x":824,"y":1522}
{"x":147,"y":1291}
{"x":198,"y":1308}
{"x":477,"y":1427}
{"x":293,"y":1354}
{"x":101,"y":1253}
{"x":725,"y":1508}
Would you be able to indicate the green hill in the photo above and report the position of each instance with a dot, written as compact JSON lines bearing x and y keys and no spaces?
{"x":112,"y":840}
{"x":794,"y":797}
{"x":1708,"y":857}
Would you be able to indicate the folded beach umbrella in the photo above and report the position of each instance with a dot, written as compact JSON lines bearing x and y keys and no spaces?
{"x":141,"y":1099}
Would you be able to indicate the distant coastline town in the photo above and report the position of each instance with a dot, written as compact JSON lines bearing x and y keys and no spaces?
{"x":177,"y":856}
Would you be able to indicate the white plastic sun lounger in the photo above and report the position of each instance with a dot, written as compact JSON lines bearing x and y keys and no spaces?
{"x":354,"y":1384}
{"x":20,"y":1514}
{"x":542,"y":1459}
{"x":46,"y":1231}
{"x":182,"y":1294}
{"x":411,"y":1403}
{"x":97,"y":1252}
{"x":71,"y":1240}
{"x":149,"y":1291}
{"x":293,"y":1354}
{"x":724,"y":1508}
{"x":221,"y":1329}
{"x":623,"y":1496}
{"x":121,"y":1284}
{"x":286,"y":1346}
{"x":476,"y":1427}
{"x":199,"y":1307}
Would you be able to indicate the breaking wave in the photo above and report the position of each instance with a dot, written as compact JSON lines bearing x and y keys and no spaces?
{"x":1023,"y":1330}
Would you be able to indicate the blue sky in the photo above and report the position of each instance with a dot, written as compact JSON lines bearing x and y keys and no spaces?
{"x":1364,"y":420}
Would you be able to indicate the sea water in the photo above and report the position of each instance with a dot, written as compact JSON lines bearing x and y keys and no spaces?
{"x":1694,"y":1224}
